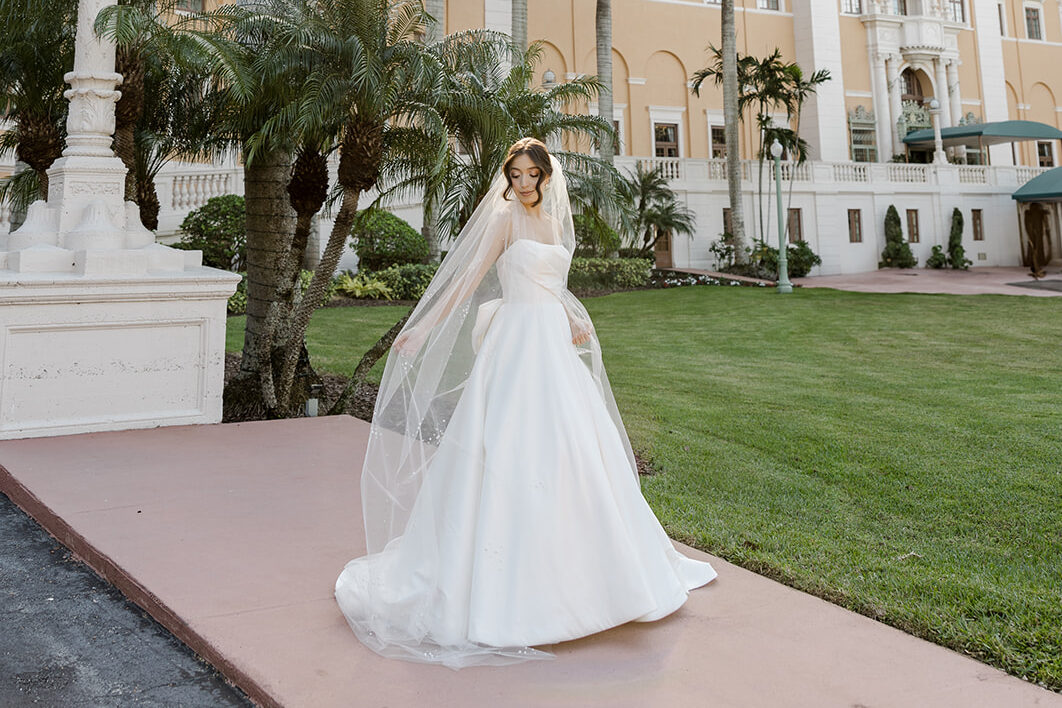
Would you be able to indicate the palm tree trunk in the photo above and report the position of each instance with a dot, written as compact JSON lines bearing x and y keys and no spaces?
{"x":314,"y":296}
{"x":604,"y":73}
{"x":732,"y":120}
{"x":270,"y":223}
{"x":520,"y":24}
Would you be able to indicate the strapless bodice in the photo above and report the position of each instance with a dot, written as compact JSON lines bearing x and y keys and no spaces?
{"x":532,"y":271}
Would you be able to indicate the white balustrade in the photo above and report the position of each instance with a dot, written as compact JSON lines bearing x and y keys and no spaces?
{"x":1027,"y":173}
{"x":972,"y":174}
{"x":670,"y":167}
{"x":851,"y":172}
{"x":900,"y":172}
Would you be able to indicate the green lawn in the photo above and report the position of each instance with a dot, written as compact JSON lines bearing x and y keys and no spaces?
{"x":897,"y":454}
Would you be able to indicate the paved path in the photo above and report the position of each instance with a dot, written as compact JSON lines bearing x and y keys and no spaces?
{"x":232,"y":537}
{"x":976,"y":281}
{"x":68,"y":638}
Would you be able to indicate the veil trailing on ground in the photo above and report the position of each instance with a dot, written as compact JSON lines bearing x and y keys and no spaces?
{"x":423,"y":379}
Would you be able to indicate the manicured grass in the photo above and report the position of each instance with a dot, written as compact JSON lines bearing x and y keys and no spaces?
{"x":900,"y":455}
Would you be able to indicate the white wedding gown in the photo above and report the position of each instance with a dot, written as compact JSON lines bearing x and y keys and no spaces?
{"x":530,"y":527}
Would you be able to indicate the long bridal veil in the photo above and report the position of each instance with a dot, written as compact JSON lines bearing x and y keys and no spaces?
{"x":420,"y":388}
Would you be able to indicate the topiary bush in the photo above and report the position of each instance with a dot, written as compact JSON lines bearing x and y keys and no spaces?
{"x":956,"y":253}
{"x":407,"y":281}
{"x":763,"y":261}
{"x":382,"y":240}
{"x":897,"y":253}
{"x":937,"y":259}
{"x":219,"y":230}
{"x":609,"y":273}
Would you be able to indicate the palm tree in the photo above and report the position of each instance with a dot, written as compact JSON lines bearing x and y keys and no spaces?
{"x":370,"y":88}
{"x":732,"y":121}
{"x":604,"y":74}
{"x":36,"y":51}
{"x":519,"y":27}
{"x":655,"y":208}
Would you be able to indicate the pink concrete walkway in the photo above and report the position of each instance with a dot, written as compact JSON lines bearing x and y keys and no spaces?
{"x":976,"y":281}
{"x":232,"y":536}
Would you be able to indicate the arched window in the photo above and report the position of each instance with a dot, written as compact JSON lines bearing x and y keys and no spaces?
{"x":912,"y":87}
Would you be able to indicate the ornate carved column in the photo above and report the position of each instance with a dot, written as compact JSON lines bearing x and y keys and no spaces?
{"x":892,"y":70}
{"x":942,"y":93}
{"x":954,"y":96}
{"x":882,"y":113}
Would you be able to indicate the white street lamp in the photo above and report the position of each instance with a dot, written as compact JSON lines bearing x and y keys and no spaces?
{"x":784,"y":286}
{"x":939,"y":158}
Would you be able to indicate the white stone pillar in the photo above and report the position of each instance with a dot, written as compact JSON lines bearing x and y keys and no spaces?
{"x":942,"y":93}
{"x":817,"y":35}
{"x":992,"y":78}
{"x":881,"y":107}
{"x":892,"y":72}
{"x":954,"y":95}
{"x":100,"y":327}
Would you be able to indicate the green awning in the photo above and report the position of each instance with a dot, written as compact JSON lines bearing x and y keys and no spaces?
{"x":1042,"y":188}
{"x":978,"y":134}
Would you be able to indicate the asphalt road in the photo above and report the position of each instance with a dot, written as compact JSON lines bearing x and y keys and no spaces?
{"x":69,"y":639}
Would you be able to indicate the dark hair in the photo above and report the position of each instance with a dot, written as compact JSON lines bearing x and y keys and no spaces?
{"x":536,"y":150}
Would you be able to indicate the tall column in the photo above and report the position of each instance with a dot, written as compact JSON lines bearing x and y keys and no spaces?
{"x":892,"y":72}
{"x":954,"y":94}
{"x":942,"y":93}
{"x":992,"y":78}
{"x":817,"y":35}
{"x":881,"y":107}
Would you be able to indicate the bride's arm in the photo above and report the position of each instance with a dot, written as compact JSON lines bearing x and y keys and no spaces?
{"x":462,"y":286}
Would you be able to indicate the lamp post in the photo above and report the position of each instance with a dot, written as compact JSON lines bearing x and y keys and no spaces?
{"x":939,"y":158}
{"x":784,"y":286}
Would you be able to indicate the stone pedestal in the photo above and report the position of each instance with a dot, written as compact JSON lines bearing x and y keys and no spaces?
{"x":85,"y":352}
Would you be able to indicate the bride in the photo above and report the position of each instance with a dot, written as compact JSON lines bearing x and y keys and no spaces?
{"x":501,"y":498}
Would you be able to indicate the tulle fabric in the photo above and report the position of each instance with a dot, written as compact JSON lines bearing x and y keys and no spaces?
{"x":481,"y":540}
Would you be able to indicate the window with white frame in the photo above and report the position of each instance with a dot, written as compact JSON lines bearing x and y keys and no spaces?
{"x":1034,"y":27}
{"x":769,"y":4}
{"x":955,"y":10}
{"x":718,"y":136}
{"x":667,"y":134}
{"x":1045,"y":153}
{"x":853,"y":7}
{"x":189,"y":5}
{"x":863,"y":135}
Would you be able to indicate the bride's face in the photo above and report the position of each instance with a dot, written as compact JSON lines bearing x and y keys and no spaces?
{"x":525,"y":176}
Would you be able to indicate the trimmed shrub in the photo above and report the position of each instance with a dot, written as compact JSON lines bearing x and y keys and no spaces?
{"x":382,"y":240}
{"x":407,"y":281}
{"x":897,"y":253}
{"x":937,"y":259}
{"x":219,"y":230}
{"x":609,"y":273}
{"x":956,"y":253}
{"x":800,"y":259}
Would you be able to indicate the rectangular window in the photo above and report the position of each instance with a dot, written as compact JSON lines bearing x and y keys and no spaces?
{"x":864,"y":140}
{"x":855,"y":226}
{"x":666,"y":139}
{"x":912,"y":226}
{"x":1033,"y":29}
{"x":955,"y":11}
{"x":718,"y":141}
{"x":853,"y":7}
{"x":796,"y":226}
{"x":728,"y":224}
{"x":617,"y":148}
{"x":768,"y":4}
{"x":899,"y":7}
{"x":1045,"y":154}
{"x":190,"y":5}
{"x":977,"y":224}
